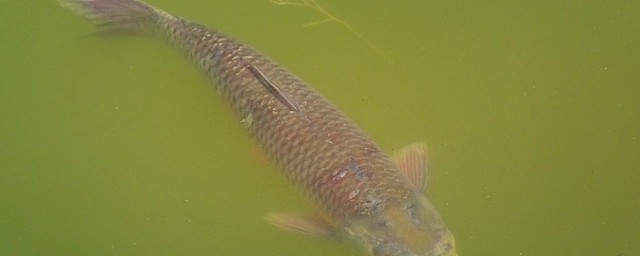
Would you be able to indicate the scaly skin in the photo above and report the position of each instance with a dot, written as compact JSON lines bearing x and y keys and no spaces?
{"x":363,"y":193}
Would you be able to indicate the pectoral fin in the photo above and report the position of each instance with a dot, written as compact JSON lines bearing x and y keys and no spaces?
{"x":305,"y":224}
{"x":413,"y":162}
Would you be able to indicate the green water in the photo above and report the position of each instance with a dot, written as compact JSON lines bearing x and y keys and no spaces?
{"x":118,"y":146}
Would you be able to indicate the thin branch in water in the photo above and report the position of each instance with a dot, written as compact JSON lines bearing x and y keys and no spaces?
{"x":329,"y":18}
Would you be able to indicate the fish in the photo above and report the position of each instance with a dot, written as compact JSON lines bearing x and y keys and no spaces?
{"x":363,"y":195}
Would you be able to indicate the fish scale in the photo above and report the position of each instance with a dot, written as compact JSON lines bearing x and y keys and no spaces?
{"x":361,"y":190}
{"x":290,"y":137}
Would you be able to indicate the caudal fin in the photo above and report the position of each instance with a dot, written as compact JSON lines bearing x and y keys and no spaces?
{"x":115,"y":16}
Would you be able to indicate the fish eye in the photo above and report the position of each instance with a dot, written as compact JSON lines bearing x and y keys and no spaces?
{"x":382,"y":223}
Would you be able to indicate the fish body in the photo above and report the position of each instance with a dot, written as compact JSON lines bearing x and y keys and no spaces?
{"x":365,"y":196}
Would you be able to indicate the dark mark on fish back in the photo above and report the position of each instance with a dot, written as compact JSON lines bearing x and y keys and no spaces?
{"x":272,"y":87}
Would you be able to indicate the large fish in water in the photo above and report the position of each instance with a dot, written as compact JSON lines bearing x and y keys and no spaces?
{"x":366,"y":197}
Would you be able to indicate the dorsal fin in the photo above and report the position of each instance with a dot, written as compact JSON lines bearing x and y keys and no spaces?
{"x":272,"y":87}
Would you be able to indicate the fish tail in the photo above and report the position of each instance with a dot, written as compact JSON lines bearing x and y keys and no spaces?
{"x":116,"y":16}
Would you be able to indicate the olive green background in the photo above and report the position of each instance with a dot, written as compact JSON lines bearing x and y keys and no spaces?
{"x":116,"y":145}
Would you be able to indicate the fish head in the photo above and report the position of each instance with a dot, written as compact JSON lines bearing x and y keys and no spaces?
{"x":411,"y":228}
